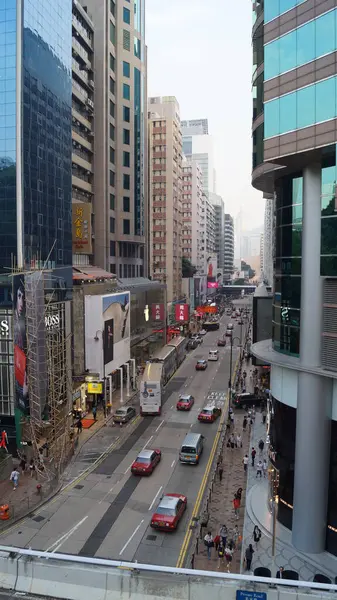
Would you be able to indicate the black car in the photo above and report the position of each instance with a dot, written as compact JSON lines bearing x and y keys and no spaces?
{"x":247,"y":399}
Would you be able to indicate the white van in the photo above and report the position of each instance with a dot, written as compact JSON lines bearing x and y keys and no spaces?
{"x":213,"y":355}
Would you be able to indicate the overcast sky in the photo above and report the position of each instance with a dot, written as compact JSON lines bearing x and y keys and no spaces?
{"x":200,"y":52}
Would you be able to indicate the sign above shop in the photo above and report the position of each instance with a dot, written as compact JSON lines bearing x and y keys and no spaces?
{"x":95,"y":388}
{"x":181,"y":312}
{"x":81,"y":222}
{"x":158,"y":312}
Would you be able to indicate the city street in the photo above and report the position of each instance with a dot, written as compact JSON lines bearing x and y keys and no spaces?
{"x":105,"y":511}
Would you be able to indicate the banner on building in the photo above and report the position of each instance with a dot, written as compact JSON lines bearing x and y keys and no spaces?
{"x":181,"y":312}
{"x":81,"y":228}
{"x":206,"y":310}
{"x":212,"y":266}
{"x":219,"y":277}
{"x":20,"y":344}
{"x":211,"y":285}
{"x":158,"y":312}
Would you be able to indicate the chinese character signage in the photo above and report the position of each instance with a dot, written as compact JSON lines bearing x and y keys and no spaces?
{"x":181,"y":312}
{"x":158,"y":312}
{"x":82,"y":228}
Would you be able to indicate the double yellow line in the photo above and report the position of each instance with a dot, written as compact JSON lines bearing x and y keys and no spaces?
{"x":189,"y":532}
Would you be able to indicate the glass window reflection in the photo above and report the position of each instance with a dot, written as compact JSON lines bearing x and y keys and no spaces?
{"x":325,"y":34}
{"x":288,"y":112}
{"x":326,"y":100}
{"x":329,"y":235}
{"x":305,"y":43}
{"x":305,"y":107}
{"x":287,"y":50}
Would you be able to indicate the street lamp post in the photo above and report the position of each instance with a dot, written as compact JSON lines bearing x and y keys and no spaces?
{"x":231,"y":367}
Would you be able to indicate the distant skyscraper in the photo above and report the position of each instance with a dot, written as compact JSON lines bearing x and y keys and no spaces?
{"x":219,"y":230}
{"x":229,"y":247}
{"x":196,"y":125}
{"x":199,"y":145}
{"x":193,"y":215}
{"x":268,"y":239}
{"x":238,"y":235}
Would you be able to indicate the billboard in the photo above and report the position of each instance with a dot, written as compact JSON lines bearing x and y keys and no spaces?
{"x":81,"y":228}
{"x":219,"y":276}
{"x":20,"y":344}
{"x":181,"y":312}
{"x":107,"y":332}
{"x":212,"y":267}
{"x":212,"y":285}
{"x":203,"y":289}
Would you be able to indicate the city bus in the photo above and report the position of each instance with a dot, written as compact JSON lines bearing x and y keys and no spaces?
{"x":151,"y":389}
{"x":180,"y":344}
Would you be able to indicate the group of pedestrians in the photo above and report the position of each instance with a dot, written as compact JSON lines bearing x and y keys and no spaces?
{"x":224,"y":545}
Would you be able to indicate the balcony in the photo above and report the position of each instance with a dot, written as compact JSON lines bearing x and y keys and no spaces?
{"x":159,"y":204}
{"x":81,"y":140}
{"x":159,"y":178}
{"x":80,"y":32}
{"x":159,"y":129}
{"x":78,"y":160}
{"x":81,"y":97}
{"x":81,"y":184}
{"x":159,"y":154}
{"x":159,"y":228}
{"x":160,"y":252}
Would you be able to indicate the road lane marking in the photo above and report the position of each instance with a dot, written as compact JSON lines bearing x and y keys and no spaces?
{"x":58,"y":543}
{"x":172,"y":406}
{"x":155,"y":498}
{"x":160,"y":424}
{"x":174,"y":462}
{"x":131,"y":537}
{"x":147,"y":443}
{"x":129,"y":467}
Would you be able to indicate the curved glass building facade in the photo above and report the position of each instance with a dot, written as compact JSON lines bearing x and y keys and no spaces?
{"x":294,"y":158}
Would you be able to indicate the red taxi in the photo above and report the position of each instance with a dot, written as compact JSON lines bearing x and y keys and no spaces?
{"x":169,"y":512}
{"x":146,"y":462}
{"x":209,"y":414}
{"x":201,"y":365}
{"x":185,"y":402}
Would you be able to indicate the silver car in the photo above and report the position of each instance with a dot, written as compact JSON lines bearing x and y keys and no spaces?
{"x":124,"y":414}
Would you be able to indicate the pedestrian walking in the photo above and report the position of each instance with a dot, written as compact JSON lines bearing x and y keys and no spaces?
{"x":249,"y":556}
{"x":221,"y":553}
{"x":232,"y":441}
{"x":94,"y":412}
{"x":209,"y":543}
{"x":245,"y":462}
{"x":232,"y":418}
{"x":23,"y":464}
{"x":259,"y":469}
{"x":236,"y":506}
{"x":257,"y":535}
{"x":253,"y":454}
{"x":238,"y":441}
{"x":79,"y":426}
{"x":223,"y":532}
{"x":239,"y":493}
{"x":32,"y":467}
{"x":229,"y":555}
{"x":244,"y":423}
{"x":261,"y":446}
{"x":14,"y":478}
{"x":220,"y":472}
{"x":217,"y":541}
{"x":264,"y":416}
{"x":264,"y":468}
{"x":235,"y":535}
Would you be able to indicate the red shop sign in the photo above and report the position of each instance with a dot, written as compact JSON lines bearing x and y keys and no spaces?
{"x":158,"y":312}
{"x":181,"y":312}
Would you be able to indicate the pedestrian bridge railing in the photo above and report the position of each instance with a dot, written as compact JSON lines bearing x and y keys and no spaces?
{"x":78,"y":577}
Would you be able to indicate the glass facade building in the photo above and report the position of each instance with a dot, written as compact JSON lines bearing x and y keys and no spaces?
{"x":35,"y":133}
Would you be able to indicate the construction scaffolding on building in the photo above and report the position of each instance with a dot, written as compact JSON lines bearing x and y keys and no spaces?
{"x":48,"y":424}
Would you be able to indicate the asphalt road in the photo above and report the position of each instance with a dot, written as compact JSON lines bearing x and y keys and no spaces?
{"x":107,"y":512}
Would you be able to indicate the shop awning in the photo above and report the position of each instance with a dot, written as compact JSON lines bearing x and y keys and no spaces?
{"x":90,"y":273}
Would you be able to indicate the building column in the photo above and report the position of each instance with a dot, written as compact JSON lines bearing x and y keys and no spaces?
{"x":314,"y":401}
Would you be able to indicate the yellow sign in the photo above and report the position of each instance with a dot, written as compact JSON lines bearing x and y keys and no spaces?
{"x":95,"y":388}
{"x":81,"y":227}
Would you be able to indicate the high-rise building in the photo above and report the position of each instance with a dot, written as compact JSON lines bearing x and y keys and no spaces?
{"x":199,"y":145}
{"x":219,"y":215}
{"x":193,"y":215}
{"x":120,"y":208}
{"x":82,"y":135}
{"x":238,"y":236}
{"x":165,"y":221}
{"x":294,"y":157}
{"x":35,"y":144}
{"x":229,"y":247}
{"x":261,"y":252}
{"x":209,"y":227}
{"x":268,"y":239}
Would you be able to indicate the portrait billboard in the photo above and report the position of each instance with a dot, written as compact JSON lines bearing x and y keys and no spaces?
{"x":212,"y":266}
{"x":219,"y":277}
{"x":20,"y":344}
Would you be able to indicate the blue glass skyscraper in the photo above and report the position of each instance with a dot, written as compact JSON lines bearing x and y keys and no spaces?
{"x":35,"y":133}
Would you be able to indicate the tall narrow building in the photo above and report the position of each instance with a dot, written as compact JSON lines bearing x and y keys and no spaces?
{"x":165,"y":223}
{"x":219,"y":217}
{"x":229,"y":247}
{"x":120,"y":205}
{"x":198,"y":144}
{"x":193,"y":215}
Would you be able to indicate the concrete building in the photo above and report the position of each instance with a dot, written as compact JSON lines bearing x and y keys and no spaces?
{"x":210,"y":227}
{"x":165,"y":162}
{"x":294,"y":157}
{"x":219,"y":215}
{"x":261,"y":253}
{"x":120,"y":206}
{"x":82,"y":135}
{"x":199,"y":145}
{"x":228,"y":247}
{"x":268,"y":239}
{"x":250,"y":243}
{"x":193,"y":215}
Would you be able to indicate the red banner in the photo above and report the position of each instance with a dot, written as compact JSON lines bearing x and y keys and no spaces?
{"x":206,"y":309}
{"x":158,"y":312}
{"x":181,"y":312}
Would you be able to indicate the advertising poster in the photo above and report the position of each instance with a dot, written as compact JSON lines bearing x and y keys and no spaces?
{"x":116,"y":318}
{"x":20,"y":345}
{"x":212,"y":267}
{"x":197,"y":299}
{"x":211,"y":285}
{"x":219,"y":277}
{"x":81,"y":228}
{"x":108,"y":341}
{"x":203,"y":289}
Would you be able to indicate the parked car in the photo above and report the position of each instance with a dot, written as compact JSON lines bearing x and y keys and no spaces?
{"x":146,"y":462}
{"x":124,"y":414}
{"x":185,"y":402}
{"x":201,"y":365}
{"x":169,"y":512}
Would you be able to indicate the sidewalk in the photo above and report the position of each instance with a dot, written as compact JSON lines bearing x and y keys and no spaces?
{"x":27,"y":497}
{"x":257,"y":513}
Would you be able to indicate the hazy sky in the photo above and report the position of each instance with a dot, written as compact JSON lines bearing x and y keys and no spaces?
{"x":200,"y":52}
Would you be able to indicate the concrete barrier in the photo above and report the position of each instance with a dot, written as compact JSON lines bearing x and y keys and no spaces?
{"x":76,"y":577}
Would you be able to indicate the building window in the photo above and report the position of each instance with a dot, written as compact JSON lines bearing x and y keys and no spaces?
{"x":112,"y":109}
{"x":112,"y":155}
{"x":126,"y":91}
{"x":112,"y":132}
{"x":112,"y":7}
{"x":126,"y":16}
{"x":112,"y":62}
{"x":126,"y":136}
{"x":39,"y":185}
{"x":126,"y":181}
{"x":112,"y":85}
{"x":126,"y":159}
{"x":112,"y":201}
{"x":126,"y":40}
{"x":126,"y":114}
{"x":126,"y":226}
{"x":136,"y":45}
{"x":126,"y":69}
{"x":112,"y":225}
{"x":112,"y":248}
{"x":126,"y":204}
{"x":113,"y":268}
{"x":112,"y":33}
{"x":112,"y":178}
